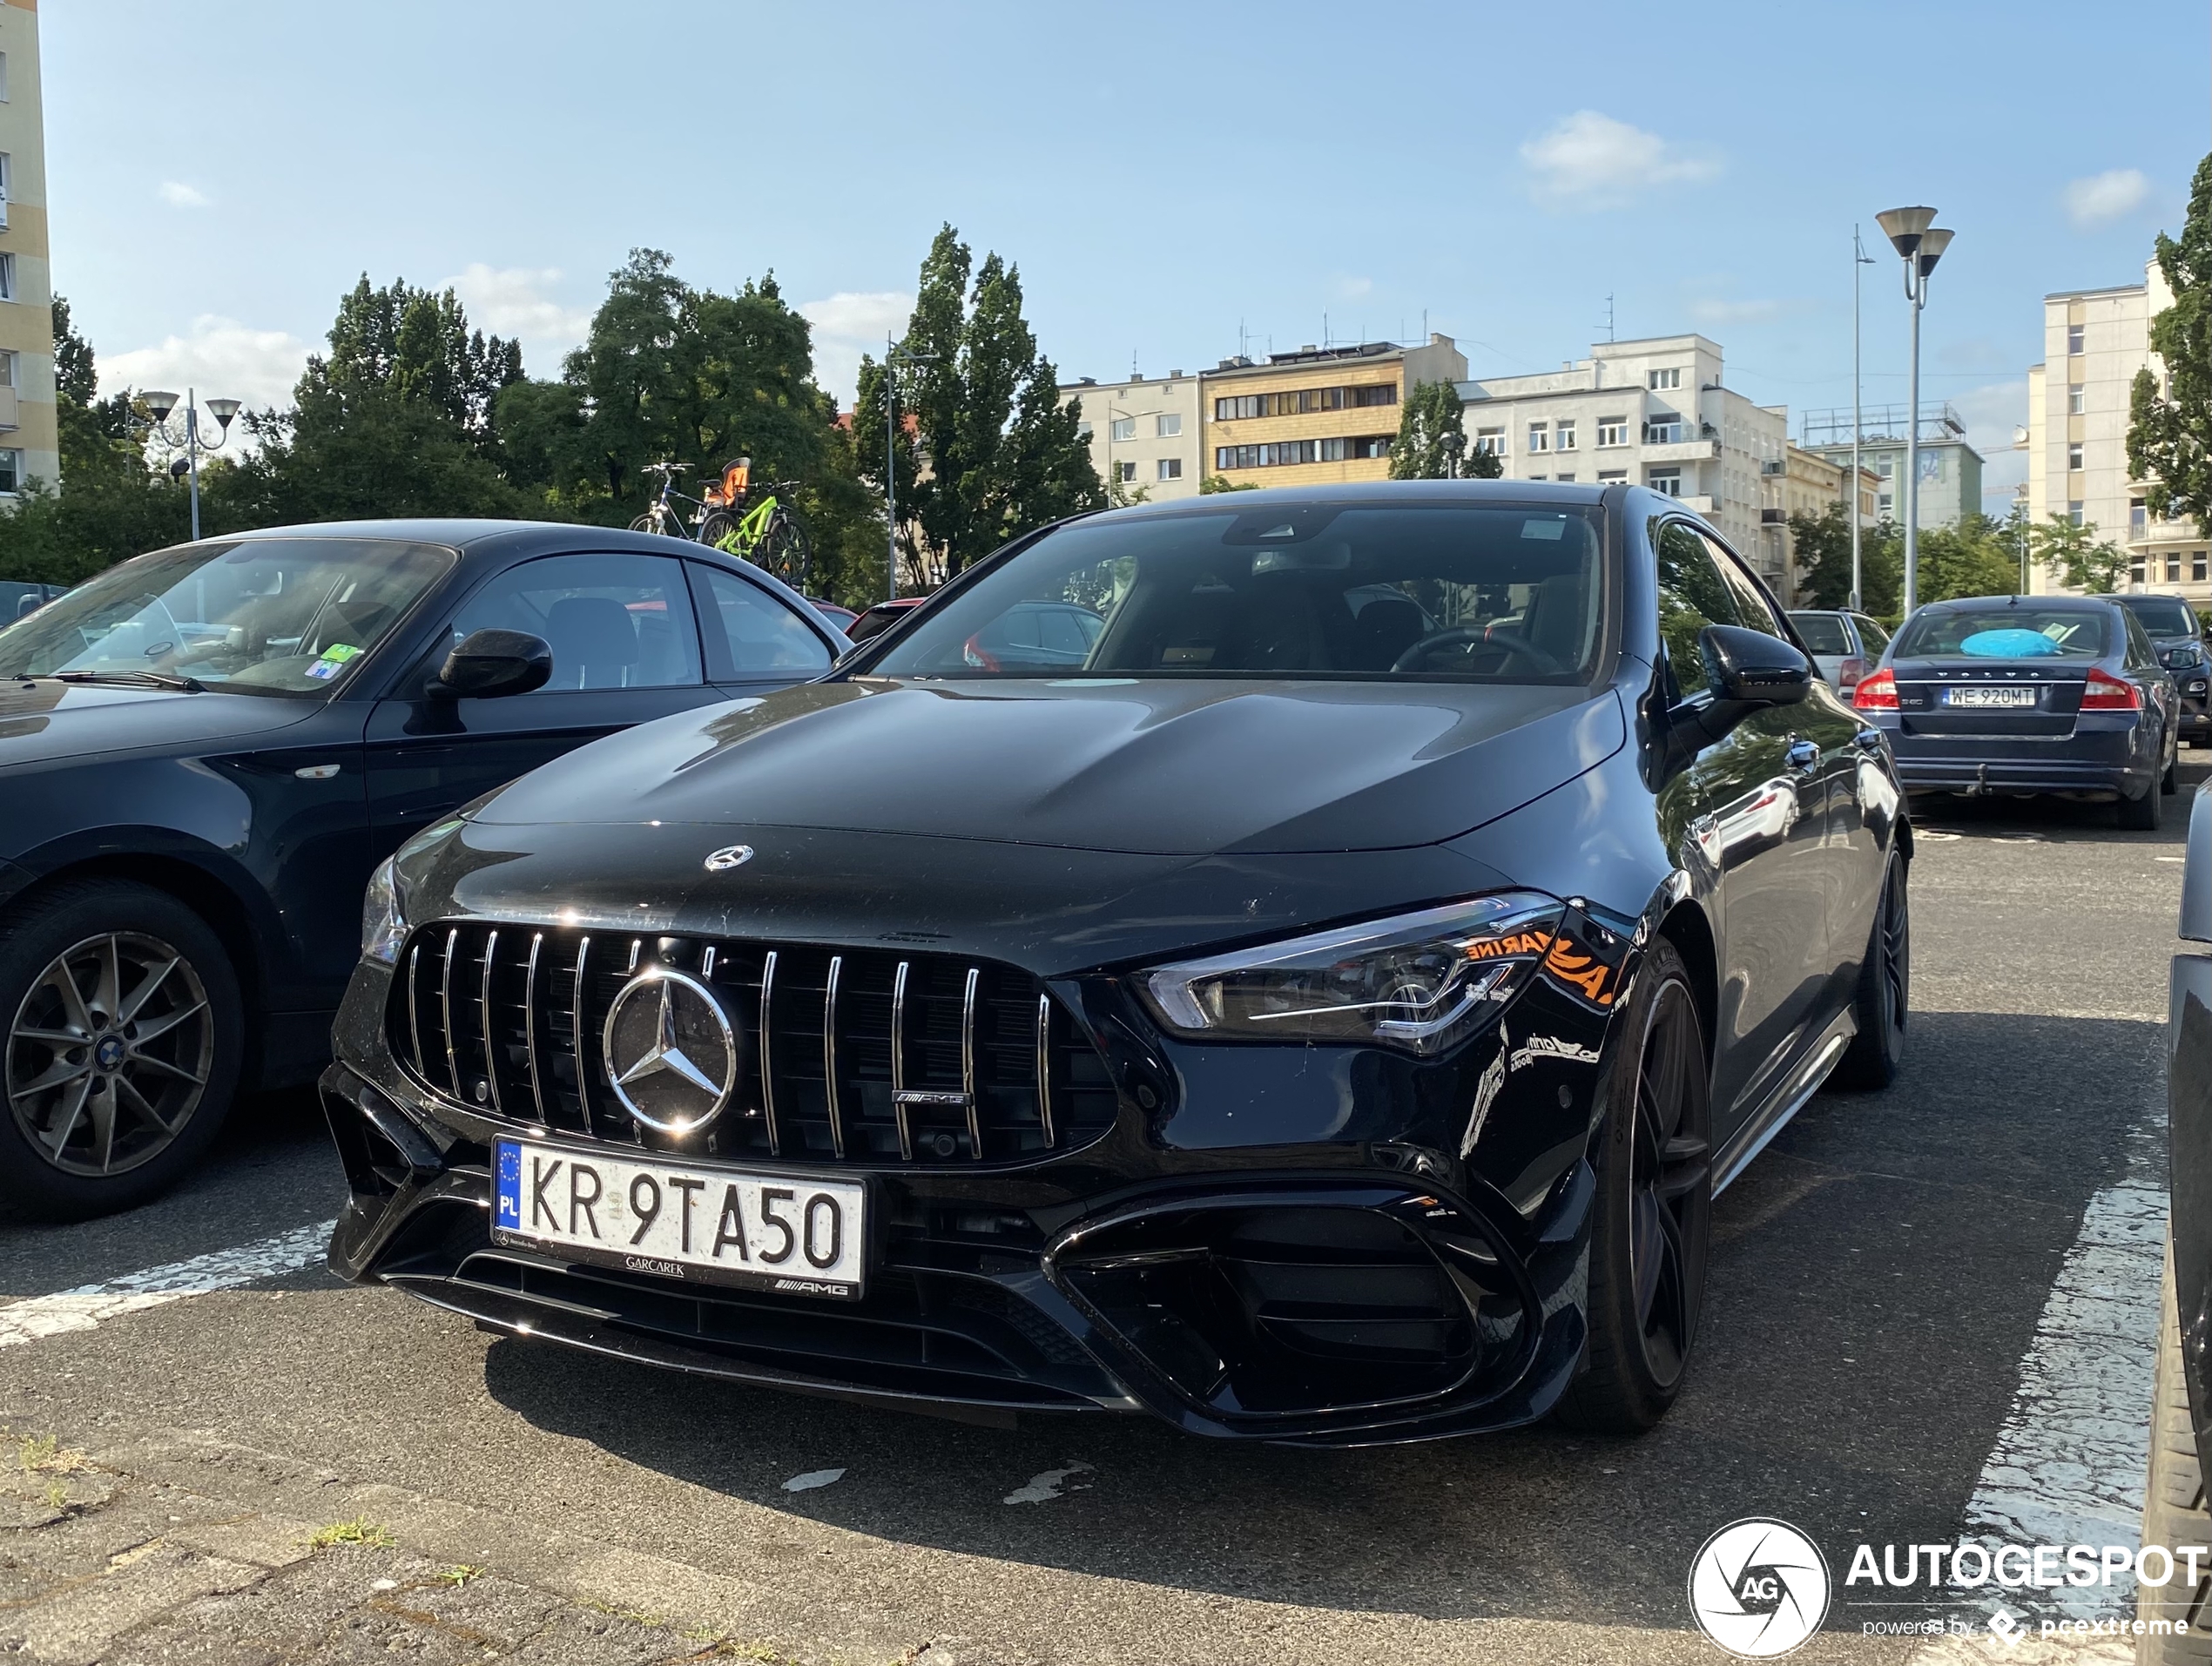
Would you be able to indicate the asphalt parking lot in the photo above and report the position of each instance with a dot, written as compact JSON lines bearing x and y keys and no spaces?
{"x":1926,"y":1319}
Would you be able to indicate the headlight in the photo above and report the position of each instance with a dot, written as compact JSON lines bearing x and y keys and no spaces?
{"x":383,"y":928}
{"x":1421,"y":981}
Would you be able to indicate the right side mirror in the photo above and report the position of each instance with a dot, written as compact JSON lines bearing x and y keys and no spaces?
{"x":1747,"y":667}
{"x":486,"y":664}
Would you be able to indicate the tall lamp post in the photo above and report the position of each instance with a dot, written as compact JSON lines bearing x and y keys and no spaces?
{"x":1859,"y":258}
{"x":159,"y":405}
{"x":892,"y":353}
{"x":1921,"y":242}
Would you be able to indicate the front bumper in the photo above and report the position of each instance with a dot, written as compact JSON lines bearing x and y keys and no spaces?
{"x":1280,"y":1250}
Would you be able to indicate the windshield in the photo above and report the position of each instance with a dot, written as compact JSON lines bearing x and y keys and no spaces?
{"x":2003,"y":632}
{"x":1308,"y":590}
{"x":2162,"y":616}
{"x":1823,"y":633}
{"x":263,"y":616}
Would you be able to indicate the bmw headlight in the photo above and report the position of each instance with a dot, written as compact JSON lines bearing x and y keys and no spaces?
{"x":1420,"y":981}
{"x":384,"y":927}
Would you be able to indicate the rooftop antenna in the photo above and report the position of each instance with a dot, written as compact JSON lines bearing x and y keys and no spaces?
{"x":1326,"y":341}
{"x":1132,"y":364}
{"x":1608,"y":315}
{"x":1243,"y":341}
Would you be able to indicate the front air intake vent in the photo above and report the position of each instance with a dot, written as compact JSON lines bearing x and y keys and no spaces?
{"x":850,"y":1055}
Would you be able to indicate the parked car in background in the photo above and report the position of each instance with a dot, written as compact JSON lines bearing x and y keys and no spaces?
{"x":1845,"y":645}
{"x":1291,"y":1026}
{"x":19,"y":599}
{"x":1036,"y":635}
{"x":842,"y":618}
{"x":2174,"y":630}
{"x":875,"y":621}
{"x":204,"y":752}
{"x":2021,"y":696}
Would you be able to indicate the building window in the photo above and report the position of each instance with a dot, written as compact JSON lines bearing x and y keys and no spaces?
{"x":2074,"y":455}
{"x":1170,"y":468}
{"x":2173,"y":568}
{"x":2074,"y":512}
{"x":10,"y":471}
{"x":1567,"y":478}
{"x":1167,"y":425}
{"x":2196,"y":566}
{"x":1539,"y":436}
{"x":1083,"y":431}
{"x":1539,"y":476}
{"x":1490,"y":442}
{"x":1233,"y":410}
{"x":1884,"y":505}
{"x":1662,"y":429}
{"x":1612,"y":430}
{"x":1660,"y":380}
{"x":2073,"y":334}
{"x":1563,"y":435}
{"x":1282,"y":453}
{"x":1668,"y":481}
{"x":7,"y":277}
{"x":2138,"y":519}
{"x":1126,"y":471}
{"x":3,"y":77}
{"x":2135,"y":569}
{"x":8,"y":371}
{"x":1298,"y":402}
{"x":1606,"y":474}
{"x":2077,"y":399}
{"x":1124,"y":427}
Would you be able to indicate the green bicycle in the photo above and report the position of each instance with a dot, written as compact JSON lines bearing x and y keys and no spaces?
{"x":763,"y":530}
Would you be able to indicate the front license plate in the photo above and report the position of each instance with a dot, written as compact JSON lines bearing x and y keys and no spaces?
{"x":1999,"y":697}
{"x":783,"y":1232}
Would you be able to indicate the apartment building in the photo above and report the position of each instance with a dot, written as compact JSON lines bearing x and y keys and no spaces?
{"x":1143,"y":433}
{"x":1653,"y":411}
{"x":1318,"y":415}
{"x":30,"y":448}
{"x":1950,"y":469}
{"x":2095,"y":340}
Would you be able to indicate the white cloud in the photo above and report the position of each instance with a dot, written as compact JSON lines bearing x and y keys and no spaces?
{"x":178,"y":194}
{"x":1590,"y":161}
{"x":1355,"y":288}
{"x":513,"y":301}
{"x":848,"y":324}
{"x":2104,"y":196}
{"x":220,"y":356}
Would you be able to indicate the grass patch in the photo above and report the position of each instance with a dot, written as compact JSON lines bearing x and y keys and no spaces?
{"x":359,"y":1531}
{"x":636,"y":1616}
{"x":459,"y":1575}
{"x":42,"y":1454}
{"x":57,"y":1495}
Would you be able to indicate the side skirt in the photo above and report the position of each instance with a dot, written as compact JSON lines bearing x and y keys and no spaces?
{"x":1799,"y":1087}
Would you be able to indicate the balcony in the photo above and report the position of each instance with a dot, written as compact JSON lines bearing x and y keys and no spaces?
{"x":1774,"y":517}
{"x":1680,"y":451}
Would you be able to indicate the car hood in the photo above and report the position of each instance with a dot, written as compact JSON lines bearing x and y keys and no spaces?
{"x":44,"y":721}
{"x":1164,"y":766}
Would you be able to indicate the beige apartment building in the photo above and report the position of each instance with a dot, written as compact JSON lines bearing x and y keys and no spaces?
{"x":1318,"y":415}
{"x":1143,"y":434}
{"x":28,"y":444}
{"x":2095,"y":340}
{"x":1655,"y":412}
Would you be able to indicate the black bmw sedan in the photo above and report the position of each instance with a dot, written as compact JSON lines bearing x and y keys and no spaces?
{"x":204,"y":750}
{"x":2172,"y":626}
{"x":2024,"y":695}
{"x":1324,"y":1014}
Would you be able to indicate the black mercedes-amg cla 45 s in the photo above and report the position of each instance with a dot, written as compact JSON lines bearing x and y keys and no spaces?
{"x":1299,"y":963}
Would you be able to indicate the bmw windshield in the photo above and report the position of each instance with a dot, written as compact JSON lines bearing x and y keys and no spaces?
{"x":261,"y":616}
{"x":1309,"y":589}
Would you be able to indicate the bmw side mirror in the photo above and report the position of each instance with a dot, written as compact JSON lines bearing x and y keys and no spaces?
{"x":1749,"y":668}
{"x":486,"y":664}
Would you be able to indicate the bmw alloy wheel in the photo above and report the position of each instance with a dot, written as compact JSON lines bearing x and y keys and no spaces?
{"x":108,"y":1053}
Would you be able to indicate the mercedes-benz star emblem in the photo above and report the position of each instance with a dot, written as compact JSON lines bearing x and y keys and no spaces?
{"x":672,"y":1055}
{"x":728,"y":857}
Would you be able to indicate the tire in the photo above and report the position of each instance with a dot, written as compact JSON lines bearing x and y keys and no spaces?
{"x":718,"y":524}
{"x":2143,"y":814}
{"x":166,"y":1090}
{"x":1883,"y":1004}
{"x":2174,"y":1503}
{"x":2166,"y":782}
{"x":1653,"y":1212}
{"x":645,"y":524}
{"x":785,"y":551}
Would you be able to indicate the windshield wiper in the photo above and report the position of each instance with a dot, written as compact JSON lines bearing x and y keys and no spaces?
{"x":136,"y":679}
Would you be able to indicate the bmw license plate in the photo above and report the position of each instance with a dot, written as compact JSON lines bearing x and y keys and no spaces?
{"x":791,"y":1234}
{"x":1997,"y":696}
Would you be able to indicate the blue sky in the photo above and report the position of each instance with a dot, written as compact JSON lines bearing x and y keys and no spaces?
{"x":1164,"y":174}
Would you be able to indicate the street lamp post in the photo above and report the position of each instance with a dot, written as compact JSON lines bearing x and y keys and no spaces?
{"x":1859,"y":258}
{"x":1921,"y":242}
{"x":159,"y":405}
{"x":891,"y":353}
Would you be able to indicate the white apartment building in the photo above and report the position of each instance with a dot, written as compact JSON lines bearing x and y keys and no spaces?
{"x":2095,"y":340}
{"x":1143,"y":433}
{"x":1655,"y":412}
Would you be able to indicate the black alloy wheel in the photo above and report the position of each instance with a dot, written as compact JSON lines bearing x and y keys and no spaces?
{"x":1884,"y":1001}
{"x":122,"y":1047}
{"x":1653,"y":1215}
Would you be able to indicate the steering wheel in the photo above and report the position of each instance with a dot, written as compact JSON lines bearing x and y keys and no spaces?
{"x":1514,"y":644}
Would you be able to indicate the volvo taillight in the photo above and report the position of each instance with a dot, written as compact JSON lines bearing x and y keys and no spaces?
{"x":1878,"y":692}
{"x":2105,"y":692}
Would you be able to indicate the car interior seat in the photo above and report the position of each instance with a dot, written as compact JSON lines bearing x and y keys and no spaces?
{"x":594,"y":644}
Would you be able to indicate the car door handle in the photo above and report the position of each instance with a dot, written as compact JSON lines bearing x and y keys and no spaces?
{"x":1803,"y":754}
{"x":1868,"y":740}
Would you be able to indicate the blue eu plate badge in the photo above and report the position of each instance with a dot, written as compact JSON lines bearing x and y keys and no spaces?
{"x":509,"y":1190}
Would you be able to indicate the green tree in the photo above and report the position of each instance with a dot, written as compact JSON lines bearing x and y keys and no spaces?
{"x":1431,"y":441}
{"x":991,"y":453}
{"x":1482,"y":465}
{"x":1211,"y":484}
{"x":2169,"y":433}
{"x":1823,"y":545}
{"x":419,"y":346}
{"x":1978,"y":556}
{"x":2077,"y":556}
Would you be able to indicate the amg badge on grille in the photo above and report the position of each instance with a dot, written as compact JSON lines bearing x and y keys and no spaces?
{"x":671,"y":1054}
{"x":728,"y":857}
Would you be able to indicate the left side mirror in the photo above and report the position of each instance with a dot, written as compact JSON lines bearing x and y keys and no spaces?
{"x":486,"y":664}
{"x":1746,"y":667}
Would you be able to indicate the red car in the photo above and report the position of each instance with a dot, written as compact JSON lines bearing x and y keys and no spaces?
{"x":880,"y":617}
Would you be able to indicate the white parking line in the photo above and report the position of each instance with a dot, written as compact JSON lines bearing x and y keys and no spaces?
{"x":92,"y":1304}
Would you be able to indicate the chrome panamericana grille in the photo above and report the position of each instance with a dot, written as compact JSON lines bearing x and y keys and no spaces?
{"x":860,"y":1055}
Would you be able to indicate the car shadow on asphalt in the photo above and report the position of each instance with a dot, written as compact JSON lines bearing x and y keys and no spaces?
{"x":2060,"y":820}
{"x":1875,"y":1278}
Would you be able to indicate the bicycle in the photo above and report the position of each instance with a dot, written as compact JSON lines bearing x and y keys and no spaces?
{"x":764,"y":532}
{"x":660,"y":515}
